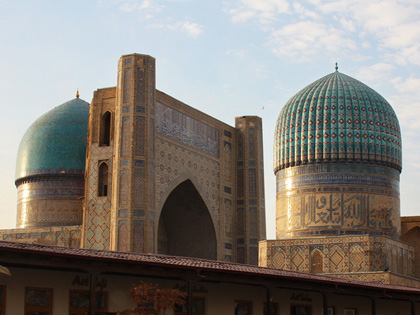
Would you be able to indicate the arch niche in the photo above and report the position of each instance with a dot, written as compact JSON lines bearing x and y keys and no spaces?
{"x":185,"y":225}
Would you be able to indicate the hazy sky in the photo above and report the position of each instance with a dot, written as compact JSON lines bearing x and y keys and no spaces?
{"x":225,"y":58}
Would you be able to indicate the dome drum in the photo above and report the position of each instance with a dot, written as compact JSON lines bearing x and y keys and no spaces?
{"x":338,"y":199}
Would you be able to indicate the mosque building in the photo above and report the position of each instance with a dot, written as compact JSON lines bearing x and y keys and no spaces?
{"x":137,"y":170}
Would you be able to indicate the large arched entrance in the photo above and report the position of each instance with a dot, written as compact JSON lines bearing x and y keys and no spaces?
{"x":185,"y":225}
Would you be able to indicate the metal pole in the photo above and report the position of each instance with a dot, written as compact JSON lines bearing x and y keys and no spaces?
{"x":413,"y":307}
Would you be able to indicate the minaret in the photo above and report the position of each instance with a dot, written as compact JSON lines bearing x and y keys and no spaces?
{"x":133,"y":199}
{"x":250,"y":204}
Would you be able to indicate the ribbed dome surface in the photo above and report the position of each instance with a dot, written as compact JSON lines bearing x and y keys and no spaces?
{"x":56,"y":141}
{"x":337,"y":119}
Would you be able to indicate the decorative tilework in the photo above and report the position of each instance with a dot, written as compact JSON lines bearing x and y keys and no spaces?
{"x":362,"y":200}
{"x":151,"y":237}
{"x":240,"y":256}
{"x":337,"y":118}
{"x":228,"y":169}
{"x":240,"y":222}
{"x":356,"y":257}
{"x":123,"y":191}
{"x":175,"y":163}
{"x":240,"y":142}
{"x":140,"y":135}
{"x":151,"y":147}
{"x":125,"y":136}
{"x":128,"y":84}
{"x":297,"y":258}
{"x":340,"y":254}
{"x":240,"y":183}
{"x":253,"y":255}
{"x":253,"y":222}
{"x":252,"y":149}
{"x":252,"y":182}
{"x":336,"y":258}
{"x":187,"y":130}
{"x":141,"y":87}
{"x":138,"y":187}
{"x":228,"y":217}
{"x":138,"y":236}
{"x":123,"y":236}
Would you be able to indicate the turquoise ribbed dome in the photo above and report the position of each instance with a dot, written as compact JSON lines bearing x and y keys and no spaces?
{"x":337,"y":119}
{"x":55,"y":142}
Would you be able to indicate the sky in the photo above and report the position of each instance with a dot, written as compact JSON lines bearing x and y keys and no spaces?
{"x":225,"y":58}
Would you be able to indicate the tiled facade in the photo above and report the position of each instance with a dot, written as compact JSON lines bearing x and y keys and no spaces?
{"x":156,"y":144}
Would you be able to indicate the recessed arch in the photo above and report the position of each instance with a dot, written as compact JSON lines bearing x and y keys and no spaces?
{"x":185,"y":224}
{"x":106,"y":126}
{"x":316,"y":260}
{"x":103,"y":179}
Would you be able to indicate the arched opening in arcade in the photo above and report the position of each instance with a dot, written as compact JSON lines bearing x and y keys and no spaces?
{"x":185,"y":225}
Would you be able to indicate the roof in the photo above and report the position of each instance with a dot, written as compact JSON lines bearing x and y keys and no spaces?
{"x":337,"y":119}
{"x":199,"y":266}
{"x":55,"y":142}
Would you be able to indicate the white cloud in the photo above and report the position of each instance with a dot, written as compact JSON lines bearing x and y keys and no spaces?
{"x":190,"y":28}
{"x":379,"y":73}
{"x":305,"y":12}
{"x":145,"y":6}
{"x":264,"y":11}
{"x":390,"y":27}
{"x":303,"y":40}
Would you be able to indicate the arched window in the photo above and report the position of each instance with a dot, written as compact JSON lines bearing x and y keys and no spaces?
{"x":103,"y":180}
{"x":105,"y":129}
{"x":316,"y":261}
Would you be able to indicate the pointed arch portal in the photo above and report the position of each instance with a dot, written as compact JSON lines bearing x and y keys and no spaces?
{"x":185,"y":225}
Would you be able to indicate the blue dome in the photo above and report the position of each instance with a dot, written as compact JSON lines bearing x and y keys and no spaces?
{"x":337,"y":119}
{"x":55,"y":142}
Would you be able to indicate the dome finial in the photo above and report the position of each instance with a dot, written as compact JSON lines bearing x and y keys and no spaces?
{"x":336,"y":66}
{"x":77,"y":93}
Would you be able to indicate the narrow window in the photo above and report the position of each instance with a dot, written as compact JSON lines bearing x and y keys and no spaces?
{"x":105,"y":131}
{"x":38,"y":301}
{"x":103,"y":180}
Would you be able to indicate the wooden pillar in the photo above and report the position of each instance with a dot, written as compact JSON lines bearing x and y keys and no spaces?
{"x":189,"y":297}
{"x":325,"y":304}
{"x":373,"y":306}
{"x":92,"y":294}
{"x":268,"y":303}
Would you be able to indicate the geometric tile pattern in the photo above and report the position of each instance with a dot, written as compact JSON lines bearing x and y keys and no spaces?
{"x":337,"y":118}
{"x":98,"y":209}
{"x":175,"y":162}
{"x":339,"y":254}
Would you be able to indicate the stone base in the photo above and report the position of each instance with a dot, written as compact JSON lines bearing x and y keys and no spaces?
{"x":68,"y":236}
{"x":384,"y":277}
{"x":338,"y":255}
